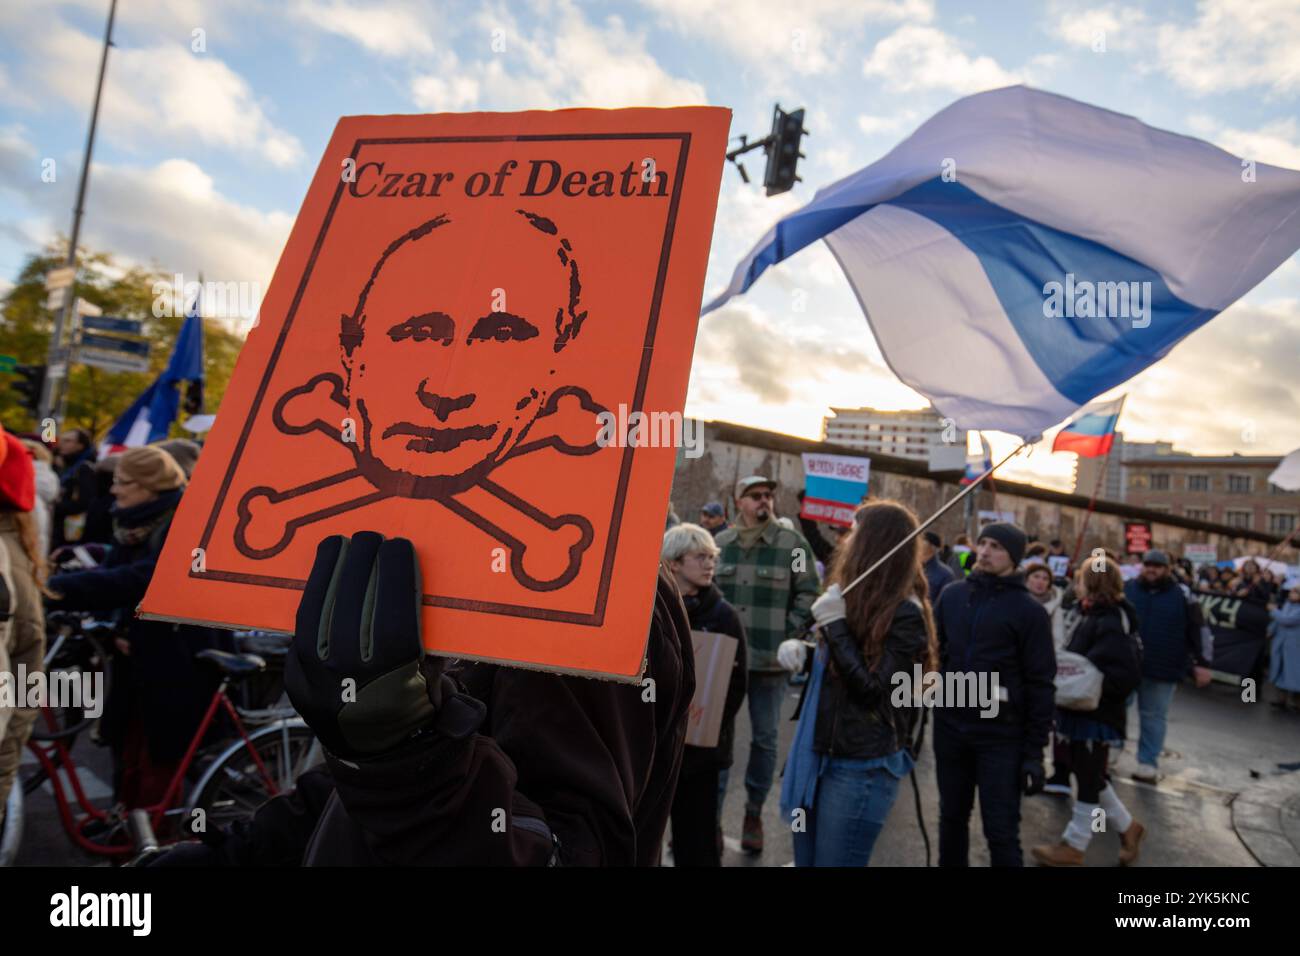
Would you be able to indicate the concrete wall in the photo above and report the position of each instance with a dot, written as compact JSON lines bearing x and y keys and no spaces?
{"x":733,"y":451}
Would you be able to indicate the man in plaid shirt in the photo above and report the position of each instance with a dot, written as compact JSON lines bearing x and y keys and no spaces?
{"x":768,"y":574}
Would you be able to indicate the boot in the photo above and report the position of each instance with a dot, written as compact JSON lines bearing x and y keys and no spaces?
{"x":751,"y":838}
{"x":1060,"y":854}
{"x":1130,"y":842}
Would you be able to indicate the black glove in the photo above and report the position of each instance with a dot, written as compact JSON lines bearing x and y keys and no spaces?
{"x":357,"y":671}
{"x":1033,"y":776}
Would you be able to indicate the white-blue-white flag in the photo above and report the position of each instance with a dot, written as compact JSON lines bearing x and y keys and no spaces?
{"x":1022,"y":252}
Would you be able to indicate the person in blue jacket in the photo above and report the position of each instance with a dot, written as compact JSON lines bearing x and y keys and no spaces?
{"x":1169,"y":619}
{"x":989,"y":626}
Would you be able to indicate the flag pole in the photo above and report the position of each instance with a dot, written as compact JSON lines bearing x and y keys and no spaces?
{"x":1285,"y":541}
{"x":1096,"y":490}
{"x":933,"y":518}
{"x":1092,"y":504}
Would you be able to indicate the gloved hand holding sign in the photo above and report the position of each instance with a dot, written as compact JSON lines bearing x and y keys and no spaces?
{"x":357,"y":671}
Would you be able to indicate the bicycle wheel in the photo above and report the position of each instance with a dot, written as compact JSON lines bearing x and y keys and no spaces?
{"x":78,"y":655}
{"x":233,"y":787}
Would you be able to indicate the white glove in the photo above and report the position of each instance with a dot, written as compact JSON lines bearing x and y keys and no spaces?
{"x":791,"y":655}
{"x":829,"y":607}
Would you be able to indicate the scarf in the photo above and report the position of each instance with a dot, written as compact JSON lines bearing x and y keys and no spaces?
{"x":133,"y":526}
{"x":748,"y":536}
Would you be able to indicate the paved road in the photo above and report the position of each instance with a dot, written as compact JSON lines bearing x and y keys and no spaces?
{"x":1215,"y":741}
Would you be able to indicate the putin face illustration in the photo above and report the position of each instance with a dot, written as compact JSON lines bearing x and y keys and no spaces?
{"x":439,"y":319}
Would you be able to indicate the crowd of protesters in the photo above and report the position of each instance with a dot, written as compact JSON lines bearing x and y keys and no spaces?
{"x":82,"y":533}
{"x":1002,"y":603}
{"x":589,"y":774}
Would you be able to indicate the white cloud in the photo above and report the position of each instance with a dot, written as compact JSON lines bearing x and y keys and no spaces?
{"x":874,"y":125}
{"x":444,"y":94}
{"x":1276,"y":143}
{"x":152,"y":92}
{"x":568,"y":62}
{"x":1239,"y":368}
{"x":1232,"y":47}
{"x":923,"y":58}
{"x":169,"y":215}
{"x":389,"y":29}
{"x":805,"y":38}
{"x":1100,"y":29}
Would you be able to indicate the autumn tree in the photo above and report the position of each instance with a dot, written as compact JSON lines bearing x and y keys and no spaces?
{"x":97,"y":398}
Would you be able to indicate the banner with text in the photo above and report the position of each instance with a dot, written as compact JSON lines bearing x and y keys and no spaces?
{"x":834,"y":486}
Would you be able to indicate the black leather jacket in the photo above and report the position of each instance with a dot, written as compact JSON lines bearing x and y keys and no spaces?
{"x":854,"y":715}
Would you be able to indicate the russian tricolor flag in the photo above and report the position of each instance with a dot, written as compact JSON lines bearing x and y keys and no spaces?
{"x":1090,"y":433}
{"x":1022,"y":253}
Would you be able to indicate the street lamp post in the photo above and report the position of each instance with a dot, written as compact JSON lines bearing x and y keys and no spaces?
{"x":54,"y":393}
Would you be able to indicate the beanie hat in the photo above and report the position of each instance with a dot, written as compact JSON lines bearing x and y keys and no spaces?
{"x":151,"y":468}
{"x":17,"y":476}
{"x":1009,"y":536}
{"x":184,"y":451}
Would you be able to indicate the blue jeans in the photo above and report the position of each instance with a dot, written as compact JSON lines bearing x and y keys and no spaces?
{"x":963,"y":763}
{"x":766,"y":692}
{"x":1154,"y":697}
{"x":849,"y":813}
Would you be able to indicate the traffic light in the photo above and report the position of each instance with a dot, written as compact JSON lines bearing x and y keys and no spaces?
{"x":783,"y":151}
{"x":29,"y":381}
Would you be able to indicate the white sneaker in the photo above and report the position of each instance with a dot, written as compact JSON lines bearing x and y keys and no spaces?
{"x":1145,"y":773}
{"x":1062,"y":789}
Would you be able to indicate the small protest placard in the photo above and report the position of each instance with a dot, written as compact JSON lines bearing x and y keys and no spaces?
{"x":834,"y":486}
{"x":714,"y":656}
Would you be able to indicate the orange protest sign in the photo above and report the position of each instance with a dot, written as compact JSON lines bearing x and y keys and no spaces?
{"x":474,"y":320}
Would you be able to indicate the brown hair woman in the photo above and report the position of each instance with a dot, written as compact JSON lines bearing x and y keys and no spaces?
{"x":851,"y":747}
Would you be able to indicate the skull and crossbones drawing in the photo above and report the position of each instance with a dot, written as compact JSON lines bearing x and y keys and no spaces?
{"x":420,"y":435}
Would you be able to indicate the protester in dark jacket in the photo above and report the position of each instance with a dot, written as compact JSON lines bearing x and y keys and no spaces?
{"x":97,"y":522}
{"x":78,"y":486}
{"x":1107,"y":636}
{"x":1170,"y":620}
{"x":844,"y":775}
{"x":937,"y":574}
{"x":478,"y":764}
{"x":823,"y":550}
{"x":158,"y":693}
{"x":691,"y":557}
{"x":989,"y":626}
{"x":454,"y":763}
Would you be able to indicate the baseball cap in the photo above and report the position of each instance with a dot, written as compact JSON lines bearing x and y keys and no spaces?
{"x":1155,"y":556}
{"x":753,"y":481}
{"x":713,"y":510}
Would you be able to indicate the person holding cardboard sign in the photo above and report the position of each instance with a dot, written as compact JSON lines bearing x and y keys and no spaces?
{"x":431,"y":762}
{"x":852,"y":745}
{"x":691,"y":557}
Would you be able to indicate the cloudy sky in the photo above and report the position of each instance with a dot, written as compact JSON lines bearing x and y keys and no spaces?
{"x":215,"y":114}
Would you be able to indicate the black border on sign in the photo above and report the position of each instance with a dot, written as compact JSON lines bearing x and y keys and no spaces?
{"x":597,"y":615}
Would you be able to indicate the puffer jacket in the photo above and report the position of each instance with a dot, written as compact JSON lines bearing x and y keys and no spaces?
{"x":855,"y":717}
{"x":990,"y":625}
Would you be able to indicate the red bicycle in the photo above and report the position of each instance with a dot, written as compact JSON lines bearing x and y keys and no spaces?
{"x":240,"y":774}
